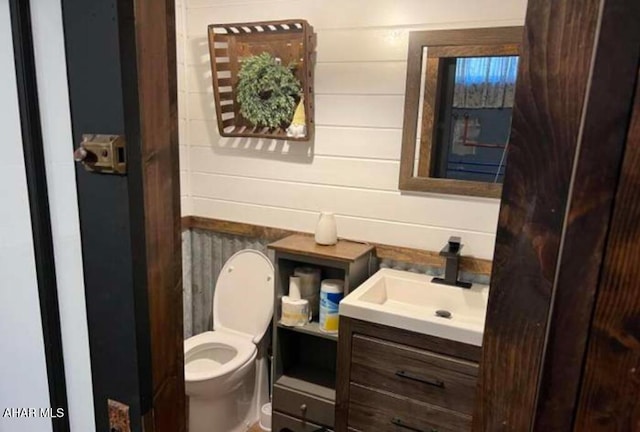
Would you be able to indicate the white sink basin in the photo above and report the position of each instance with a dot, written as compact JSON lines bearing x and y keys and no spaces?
{"x":409,"y":301}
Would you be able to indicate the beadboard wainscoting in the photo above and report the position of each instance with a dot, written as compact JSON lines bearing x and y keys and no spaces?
{"x":204,"y":253}
{"x":352,"y":166}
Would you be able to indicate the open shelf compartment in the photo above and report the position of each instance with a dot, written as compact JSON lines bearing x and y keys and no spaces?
{"x":307,"y":363}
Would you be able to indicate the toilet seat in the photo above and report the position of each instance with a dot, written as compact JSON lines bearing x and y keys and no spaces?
{"x":215,"y":354}
{"x":242,"y":310}
{"x":243,"y":298}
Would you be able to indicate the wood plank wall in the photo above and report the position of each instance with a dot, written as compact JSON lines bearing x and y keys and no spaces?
{"x":605,"y":122}
{"x":610,"y":397}
{"x":352,"y":167}
{"x":553,"y":75}
{"x":570,"y":121}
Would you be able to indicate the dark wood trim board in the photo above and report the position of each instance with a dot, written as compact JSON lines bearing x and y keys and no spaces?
{"x":410,"y":255}
{"x":569,"y":123}
{"x":102,"y":72}
{"x":609,"y":398}
{"x":157,"y":96}
{"x":603,"y":132}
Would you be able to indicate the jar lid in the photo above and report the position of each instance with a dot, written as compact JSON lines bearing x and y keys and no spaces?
{"x":332,"y":285}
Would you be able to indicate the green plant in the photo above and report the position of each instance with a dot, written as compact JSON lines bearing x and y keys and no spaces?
{"x":267,"y":91}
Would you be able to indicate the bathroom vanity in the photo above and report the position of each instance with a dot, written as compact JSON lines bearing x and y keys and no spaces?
{"x":408,"y":354}
{"x":304,"y":358}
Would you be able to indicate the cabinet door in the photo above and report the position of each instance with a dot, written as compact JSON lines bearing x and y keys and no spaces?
{"x":414,"y":373}
{"x":372,"y":410}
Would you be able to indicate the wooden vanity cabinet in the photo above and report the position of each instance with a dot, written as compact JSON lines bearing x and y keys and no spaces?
{"x":390,"y":379}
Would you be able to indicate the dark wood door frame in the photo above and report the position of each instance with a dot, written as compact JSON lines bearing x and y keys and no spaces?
{"x":575,"y":86}
{"x":603,"y":130}
{"x":551,"y":234}
{"x":610,"y":392}
{"x":122,"y":80}
{"x":159,"y":159}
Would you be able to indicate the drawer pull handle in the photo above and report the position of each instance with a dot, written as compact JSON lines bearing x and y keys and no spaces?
{"x":412,"y":377}
{"x":401,"y":423}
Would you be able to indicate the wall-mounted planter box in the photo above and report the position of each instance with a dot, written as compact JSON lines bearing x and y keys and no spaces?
{"x":290,"y":40}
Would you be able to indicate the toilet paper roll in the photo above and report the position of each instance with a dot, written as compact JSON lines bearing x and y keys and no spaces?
{"x":309,"y":281}
{"x":294,"y":312}
{"x":294,"y":288}
{"x":310,"y":286}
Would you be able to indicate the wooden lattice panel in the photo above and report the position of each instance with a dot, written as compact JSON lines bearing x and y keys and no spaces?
{"x":293,"y":41}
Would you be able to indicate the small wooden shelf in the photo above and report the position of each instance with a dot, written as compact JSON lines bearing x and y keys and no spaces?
{"x":344,"y":250}
{"x":313,"y":329}
{"x":304,"y":366}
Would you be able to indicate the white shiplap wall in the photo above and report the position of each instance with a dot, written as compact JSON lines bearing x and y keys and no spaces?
{"x":181,"y":47}
{"x":352,"y":166}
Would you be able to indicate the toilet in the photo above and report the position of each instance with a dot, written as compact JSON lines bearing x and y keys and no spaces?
{"x":226,"y":376}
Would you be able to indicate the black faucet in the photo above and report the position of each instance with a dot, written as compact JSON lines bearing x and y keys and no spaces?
{"x":451,"y":252}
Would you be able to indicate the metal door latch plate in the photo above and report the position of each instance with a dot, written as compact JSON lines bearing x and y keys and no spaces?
{"x":102,"y":153}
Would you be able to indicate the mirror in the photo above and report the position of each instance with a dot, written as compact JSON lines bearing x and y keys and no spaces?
{"x":458,"y":108}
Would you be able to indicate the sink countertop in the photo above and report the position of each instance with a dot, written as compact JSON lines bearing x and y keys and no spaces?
{"x":409,"y":301}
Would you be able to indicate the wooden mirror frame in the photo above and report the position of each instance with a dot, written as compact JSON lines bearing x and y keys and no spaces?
{"x":443,"y":44}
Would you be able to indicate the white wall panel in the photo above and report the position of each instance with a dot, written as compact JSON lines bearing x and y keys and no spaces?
{"x":361,"y":78}
{"x":55,"y":115}
{"x":352,"y":165}
{"x":23,"y":374}
{"x":357,"y":142}
{"x":331,"y":14}
{"x":355,"y":228}
{"x":319,"y":170}
{"x":360,"y":110}
{"x":433,"y":210}
{"x":331,"y":110}
{"x":371,"y":143}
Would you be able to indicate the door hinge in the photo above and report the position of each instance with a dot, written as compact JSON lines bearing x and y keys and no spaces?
{"x":104,"y":154}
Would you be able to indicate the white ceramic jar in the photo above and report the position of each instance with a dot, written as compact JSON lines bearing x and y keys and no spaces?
{"x":326,"y":230}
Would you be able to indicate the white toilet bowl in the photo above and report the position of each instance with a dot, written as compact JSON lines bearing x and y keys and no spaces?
{"x":225,"y":369}
{"x":216,"y":363}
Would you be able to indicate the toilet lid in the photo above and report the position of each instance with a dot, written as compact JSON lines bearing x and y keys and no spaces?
{"x":244,"y":295}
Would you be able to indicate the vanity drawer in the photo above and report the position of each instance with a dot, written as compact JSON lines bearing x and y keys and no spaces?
{"x":417,"y":374}
{"x":371,"y":410}
{"x":284,"y":423}
{"x":303,"y":405}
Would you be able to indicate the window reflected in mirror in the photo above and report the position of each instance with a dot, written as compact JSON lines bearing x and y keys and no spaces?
{"x":461,"y":87}
{"x":474,"y":118}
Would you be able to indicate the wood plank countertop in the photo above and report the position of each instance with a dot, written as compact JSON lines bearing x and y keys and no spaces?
{"x":301,"y":244}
